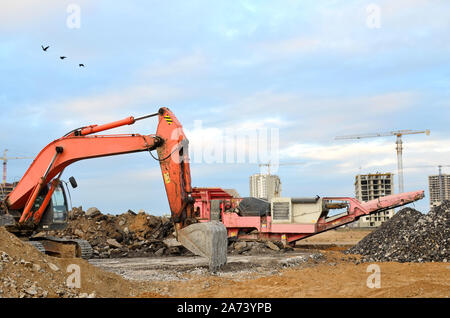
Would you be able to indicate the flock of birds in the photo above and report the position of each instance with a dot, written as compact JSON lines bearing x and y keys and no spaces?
{"x":61,"y":57}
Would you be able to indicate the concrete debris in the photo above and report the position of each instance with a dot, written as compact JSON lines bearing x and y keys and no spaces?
{"x":160,"y":252}
{"x":113,"y":243}
{"x":256,"y":247}
{"x":4,"y":257}
{"x":127,"y":235}
{"x":133,"y":234}
{"x":241,"y":247}
{"x":409,"y":236}
{"x":172,"y":242}
{"x":301,"y":259}
{"x":53,"y":267}
{"x":92,"y":212}
{"x":272,"y":246}
{"x":31,"y":290}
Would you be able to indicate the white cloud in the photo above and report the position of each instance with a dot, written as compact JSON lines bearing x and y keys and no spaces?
{"x":340,"y":27}
{"x":315,"y":118}
{"x":292,"y":46}
{"x":375,"y":154}
{"x":190,"y":65}
{"x":111,"y":104}
{"x":336,"y":152}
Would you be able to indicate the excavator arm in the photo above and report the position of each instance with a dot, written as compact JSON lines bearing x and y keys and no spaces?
{"x":171,"y":145}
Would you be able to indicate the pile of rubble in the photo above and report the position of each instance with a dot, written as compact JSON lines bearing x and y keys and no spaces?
{"x":409,"y":236}
{"x":27,"y":273}
{"x":257,"y":247}
{"x":141,"y":235}
{"x":126,"y":235}
{"x":22,"y":277}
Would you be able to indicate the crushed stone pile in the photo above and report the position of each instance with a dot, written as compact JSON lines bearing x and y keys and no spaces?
{"x":257,"y":247}
{"x":126,"y":235}
{"x":27,"y":273}
{"x":409,"y":236}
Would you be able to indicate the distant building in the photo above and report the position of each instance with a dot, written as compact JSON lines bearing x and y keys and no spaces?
{"x":434,"y":184}
{"x":373,"y":186}
{"x":5,"y":189}
{"x":265,"y":186}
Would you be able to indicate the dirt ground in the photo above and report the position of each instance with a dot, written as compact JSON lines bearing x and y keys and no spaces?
{"x":296,"y":274}
{"x":303,"y":272}
{"x":336,"y":240}
{"x":316,"y":268}
{"x":339,"y":236}
{"x":338,"y":279}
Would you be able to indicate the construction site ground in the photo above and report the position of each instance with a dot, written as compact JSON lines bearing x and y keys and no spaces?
{"x":315,"y":268}
{"x":337,"y":240}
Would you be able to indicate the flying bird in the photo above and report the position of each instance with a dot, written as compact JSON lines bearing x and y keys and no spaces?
{"x":44,"y":48}
{"x":81,"y":65}
{"x":63,"y":57}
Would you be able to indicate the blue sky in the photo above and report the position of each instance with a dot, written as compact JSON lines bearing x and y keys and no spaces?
{"x":311,"y":69}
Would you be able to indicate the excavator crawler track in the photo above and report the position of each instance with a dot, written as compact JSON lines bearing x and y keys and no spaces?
{"x":86,"y":248}
{"x":49,"y":243}
{"x":38,"y":245}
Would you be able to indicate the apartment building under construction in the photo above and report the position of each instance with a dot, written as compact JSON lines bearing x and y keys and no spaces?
{"x":373,"y":186}
{"x":5,"y":189}
{"x":265,"y":186}
{"x":439,"y":186}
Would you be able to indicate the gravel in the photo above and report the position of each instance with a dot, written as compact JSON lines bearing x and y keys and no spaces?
{"x":409,"y":236}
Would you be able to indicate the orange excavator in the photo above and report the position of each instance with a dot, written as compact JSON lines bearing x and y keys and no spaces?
{"x":39,"y":203}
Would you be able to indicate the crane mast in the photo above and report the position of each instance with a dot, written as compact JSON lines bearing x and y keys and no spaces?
{"x":399,"y":147}
{"x":5,"y":162}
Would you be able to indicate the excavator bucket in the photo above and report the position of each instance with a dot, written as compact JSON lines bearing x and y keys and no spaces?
{"x":208,"y":240}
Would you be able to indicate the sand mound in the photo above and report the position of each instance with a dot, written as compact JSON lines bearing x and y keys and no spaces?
{"x":26,"y":272}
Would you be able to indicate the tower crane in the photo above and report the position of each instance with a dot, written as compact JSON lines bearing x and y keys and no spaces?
{"x":399,"y":146}
{"x":269,"y":164}
{"x":5,"y":162}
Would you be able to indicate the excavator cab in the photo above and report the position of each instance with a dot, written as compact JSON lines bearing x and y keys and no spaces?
{"x":56,"y":214}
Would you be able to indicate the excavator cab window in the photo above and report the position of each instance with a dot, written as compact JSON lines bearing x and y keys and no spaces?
{"x":59,"y":205}
{"x":55,"y":216}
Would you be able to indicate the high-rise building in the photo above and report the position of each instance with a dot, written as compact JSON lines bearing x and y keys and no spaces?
{"x":265,"y":186}
{"x":373,"y":186}
{"x":435,"y":184}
